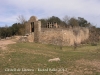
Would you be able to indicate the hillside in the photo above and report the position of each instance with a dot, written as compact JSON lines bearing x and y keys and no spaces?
{"x":30,"y":58}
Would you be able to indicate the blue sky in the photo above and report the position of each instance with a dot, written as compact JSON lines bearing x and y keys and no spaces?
{"x":11,"y":9}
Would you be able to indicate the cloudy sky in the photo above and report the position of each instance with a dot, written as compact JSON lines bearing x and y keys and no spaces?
{"x":11,"y":9}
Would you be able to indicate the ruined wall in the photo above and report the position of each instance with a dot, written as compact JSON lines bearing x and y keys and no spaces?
{"x":30,"y":37}
{"x":56,"y":36}
{"x":37,"y":31}
{"x":65,"y":37}
{"x":33,"y":26}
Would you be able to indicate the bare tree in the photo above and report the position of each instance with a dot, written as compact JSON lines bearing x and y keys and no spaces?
{"x":66,"y":19}
{"x":21,"y":19}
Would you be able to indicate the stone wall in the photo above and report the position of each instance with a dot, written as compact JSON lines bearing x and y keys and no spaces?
{"x":33,"y":26}
{"x":65,"y":37}
{"x":56,"y":36}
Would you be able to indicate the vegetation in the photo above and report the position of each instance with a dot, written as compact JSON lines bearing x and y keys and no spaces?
{"x":67,"y":22}
{"x":53,"y":19}
{"x":27,"y":58}
{"x":94,"y":37}
{"x":15,"y":29}
{"x":19,"y":28}
{"x":83,"y":61}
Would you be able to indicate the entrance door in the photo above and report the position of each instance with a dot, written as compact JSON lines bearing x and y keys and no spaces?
{"x":32,"y":26}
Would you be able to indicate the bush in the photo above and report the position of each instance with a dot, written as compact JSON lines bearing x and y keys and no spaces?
{"x":93,"y":44}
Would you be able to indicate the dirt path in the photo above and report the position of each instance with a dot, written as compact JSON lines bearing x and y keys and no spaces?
{"x":4,"y":43}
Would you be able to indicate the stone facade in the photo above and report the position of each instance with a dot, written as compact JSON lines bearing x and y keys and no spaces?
{"x":54,"y":35}
{"x":64,"y":37}
{"x":52,"y":25}
{"x":34,"y":26}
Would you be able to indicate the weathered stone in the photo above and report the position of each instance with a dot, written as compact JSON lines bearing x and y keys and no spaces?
{"x":34,"y":26}
{"x":56,"y":36}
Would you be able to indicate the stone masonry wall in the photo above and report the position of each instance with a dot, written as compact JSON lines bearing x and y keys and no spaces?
{"x":65,"y":37}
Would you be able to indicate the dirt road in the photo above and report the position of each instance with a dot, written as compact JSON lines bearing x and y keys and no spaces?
{"x":4,"y":43}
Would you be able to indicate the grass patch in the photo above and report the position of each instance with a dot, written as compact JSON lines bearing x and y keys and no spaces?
{"x":85,"y":60}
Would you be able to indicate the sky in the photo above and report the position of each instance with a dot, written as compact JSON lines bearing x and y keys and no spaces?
{"x":11,"y":9}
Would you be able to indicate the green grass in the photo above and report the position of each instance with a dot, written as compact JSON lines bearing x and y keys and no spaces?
{"x":35,"y":55}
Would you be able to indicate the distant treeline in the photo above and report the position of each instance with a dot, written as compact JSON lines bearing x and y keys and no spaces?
{"x":15,"y":29}
{"x":19,"y":28}
{"x":67,"y":21}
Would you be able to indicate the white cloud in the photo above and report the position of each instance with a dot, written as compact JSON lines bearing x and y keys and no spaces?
{"x":88,"y":9}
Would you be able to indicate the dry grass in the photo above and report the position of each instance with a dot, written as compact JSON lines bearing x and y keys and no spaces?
{"x":84,"y":61}
{"x":83,"y":67}
{"x":93,"y":63}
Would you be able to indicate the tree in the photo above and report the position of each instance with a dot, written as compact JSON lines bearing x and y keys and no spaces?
{"x":66,"y":21}
{"x":43,"y":22}
{"x":15,"y":29}
{"x":3,"y":32}
{"x":73,"y":22}
{"x":54,"y":19}
{"x":94,"y":35}
{"x":82,"y":22}
{"x":21,"y":21}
